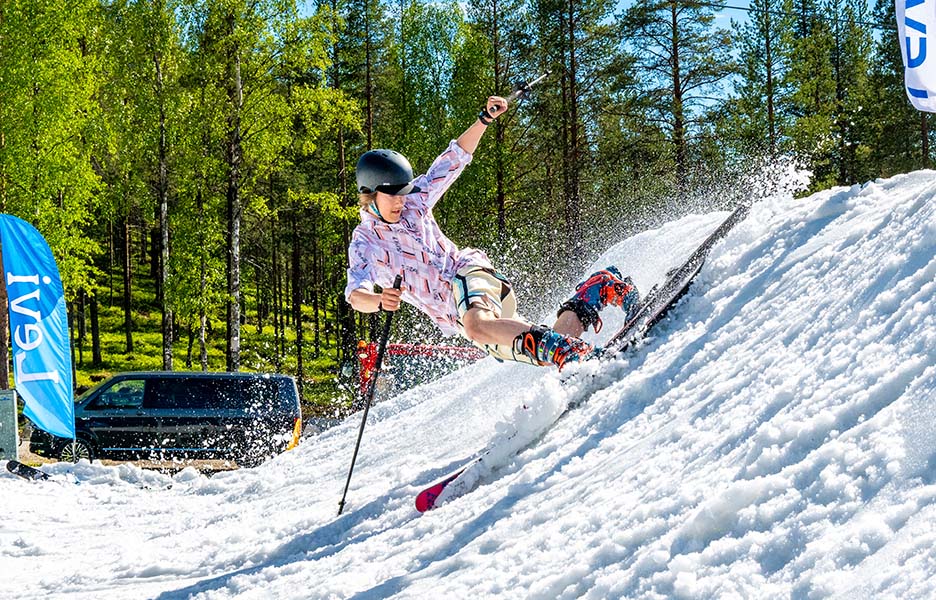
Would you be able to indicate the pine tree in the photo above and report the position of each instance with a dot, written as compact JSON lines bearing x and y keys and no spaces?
{"x":577,"y":42}
{"x":145,"y":65}
{"x":492,"y":60}
{"x":246,"y":51}
{"x":850,"y":59}
{"x":682,"y":58}
{"x":812,"y":101}
{"x":754,"y":119}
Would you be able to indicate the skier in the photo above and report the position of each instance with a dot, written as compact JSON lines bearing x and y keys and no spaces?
{"x":459,"y":289}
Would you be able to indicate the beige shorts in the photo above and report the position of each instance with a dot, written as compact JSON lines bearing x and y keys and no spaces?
{"x":480,"y":286}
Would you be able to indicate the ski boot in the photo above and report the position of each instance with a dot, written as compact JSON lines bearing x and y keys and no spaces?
{"x":599,"y":290}
{"x":546,"y":347}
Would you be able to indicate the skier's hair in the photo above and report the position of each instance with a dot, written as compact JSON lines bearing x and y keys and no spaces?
{"x":365,"y":200}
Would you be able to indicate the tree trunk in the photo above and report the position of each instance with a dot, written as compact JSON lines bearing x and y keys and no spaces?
{"x":82,"y":321}
{"x":70,"y":317}
{"x":346,"y":325}
{"x":275,"y":291}
{"x":162,"y":202}
{"x":368,"y":80}
{"x":679,"y":123}
{"x":203,"y":340}
{"x":573,"y":192}
{"x":203,"y":283}
{"x":112,"y":250}
{"x":4,"y":333}
{"x":314,"y":289}
{"x":924,"y":135}
{"x":190,"y":347}
{"x":145,"y":243}
{"x":297,"y":300}
{"x":500,"y":132}
{"x":769,"y":90}
{"x":81,"y":325}
{"x":235,"y":159}
{"x":841,"y":120}
{"x":97,"y":359}
{"x":154,"y":250}
{"x":127,"y":281}
{"x":258,"y":278}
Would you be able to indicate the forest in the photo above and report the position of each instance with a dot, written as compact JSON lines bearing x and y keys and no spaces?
{"x":191,"y":163}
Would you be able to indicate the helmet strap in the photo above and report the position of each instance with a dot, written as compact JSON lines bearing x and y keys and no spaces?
{"x":376,"y":211}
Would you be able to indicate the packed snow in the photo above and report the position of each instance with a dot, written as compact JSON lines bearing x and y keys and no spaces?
{"x":775,"y":437}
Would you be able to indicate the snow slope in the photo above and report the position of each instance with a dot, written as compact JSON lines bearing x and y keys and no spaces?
{"x":775,"y":438}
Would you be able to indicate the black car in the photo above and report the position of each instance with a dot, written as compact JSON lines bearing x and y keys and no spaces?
{"x":241,"y":416}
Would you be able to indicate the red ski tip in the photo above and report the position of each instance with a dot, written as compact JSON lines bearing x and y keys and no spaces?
{"x":427,"y":498}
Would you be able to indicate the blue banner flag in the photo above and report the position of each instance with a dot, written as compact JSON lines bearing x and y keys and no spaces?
{"x":39,"y":327}
{"x":915,"y":20}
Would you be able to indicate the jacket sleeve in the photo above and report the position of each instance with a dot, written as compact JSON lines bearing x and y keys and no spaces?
{"x":444,"y":171}
{"x":360,"y":275}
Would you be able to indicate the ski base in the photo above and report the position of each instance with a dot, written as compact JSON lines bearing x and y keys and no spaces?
{"x":26,"y":472}
{"x":427,"y":498}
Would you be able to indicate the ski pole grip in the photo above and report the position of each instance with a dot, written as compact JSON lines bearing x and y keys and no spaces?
{"x":397,"y":282}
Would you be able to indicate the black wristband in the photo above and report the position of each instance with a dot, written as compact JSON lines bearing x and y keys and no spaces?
{"x":485,"y":117}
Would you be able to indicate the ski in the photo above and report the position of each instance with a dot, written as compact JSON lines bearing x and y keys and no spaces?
{"x":25,"y":471}
{"x":426,"y":499}
{"x":652,"y":309}
{"x":656,"y":304}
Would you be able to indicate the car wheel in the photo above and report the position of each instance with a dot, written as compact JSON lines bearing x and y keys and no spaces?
{"x":81,"y":449}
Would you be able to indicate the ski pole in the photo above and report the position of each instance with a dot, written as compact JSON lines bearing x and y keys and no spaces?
{"x":370,"y":395}
{"x":523,"y":89}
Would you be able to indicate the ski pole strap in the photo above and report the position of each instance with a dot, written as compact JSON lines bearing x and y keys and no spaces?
{"x":485,"y":117}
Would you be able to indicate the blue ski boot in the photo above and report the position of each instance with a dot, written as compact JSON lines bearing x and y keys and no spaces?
{"x":599,"y":290}
{"x":546,"y":346}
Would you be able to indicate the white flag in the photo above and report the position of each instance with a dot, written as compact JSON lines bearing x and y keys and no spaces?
{"x":915,"y":20}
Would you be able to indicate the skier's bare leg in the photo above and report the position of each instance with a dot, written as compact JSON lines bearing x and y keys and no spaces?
{"x":484,"y":327}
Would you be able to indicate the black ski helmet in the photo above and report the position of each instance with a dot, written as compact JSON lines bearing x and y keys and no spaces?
{"x":386,"y":171}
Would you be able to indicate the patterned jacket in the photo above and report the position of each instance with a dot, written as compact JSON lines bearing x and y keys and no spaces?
{"x":415,"y":247}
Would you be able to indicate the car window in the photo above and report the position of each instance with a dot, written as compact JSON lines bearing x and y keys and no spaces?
{"x":167,"y":393}
{"x":202,"y":393}
{"x":253,"y":394}
{"x":92,"y":391}
{"x":227,"y":394}
{"x":126,"y":393}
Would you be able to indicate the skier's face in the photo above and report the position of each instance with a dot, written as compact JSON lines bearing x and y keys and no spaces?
{"x":390,"y":207}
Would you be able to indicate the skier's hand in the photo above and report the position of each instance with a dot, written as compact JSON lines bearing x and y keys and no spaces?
{"x":496,"y":106}
{"x":390,"y":299}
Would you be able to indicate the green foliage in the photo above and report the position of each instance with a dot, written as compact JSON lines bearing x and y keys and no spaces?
{"x":895,"y":132}
{"x":48,"y":82}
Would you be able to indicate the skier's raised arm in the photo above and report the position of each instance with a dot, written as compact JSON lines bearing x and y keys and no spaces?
{"x":494,"y":108}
